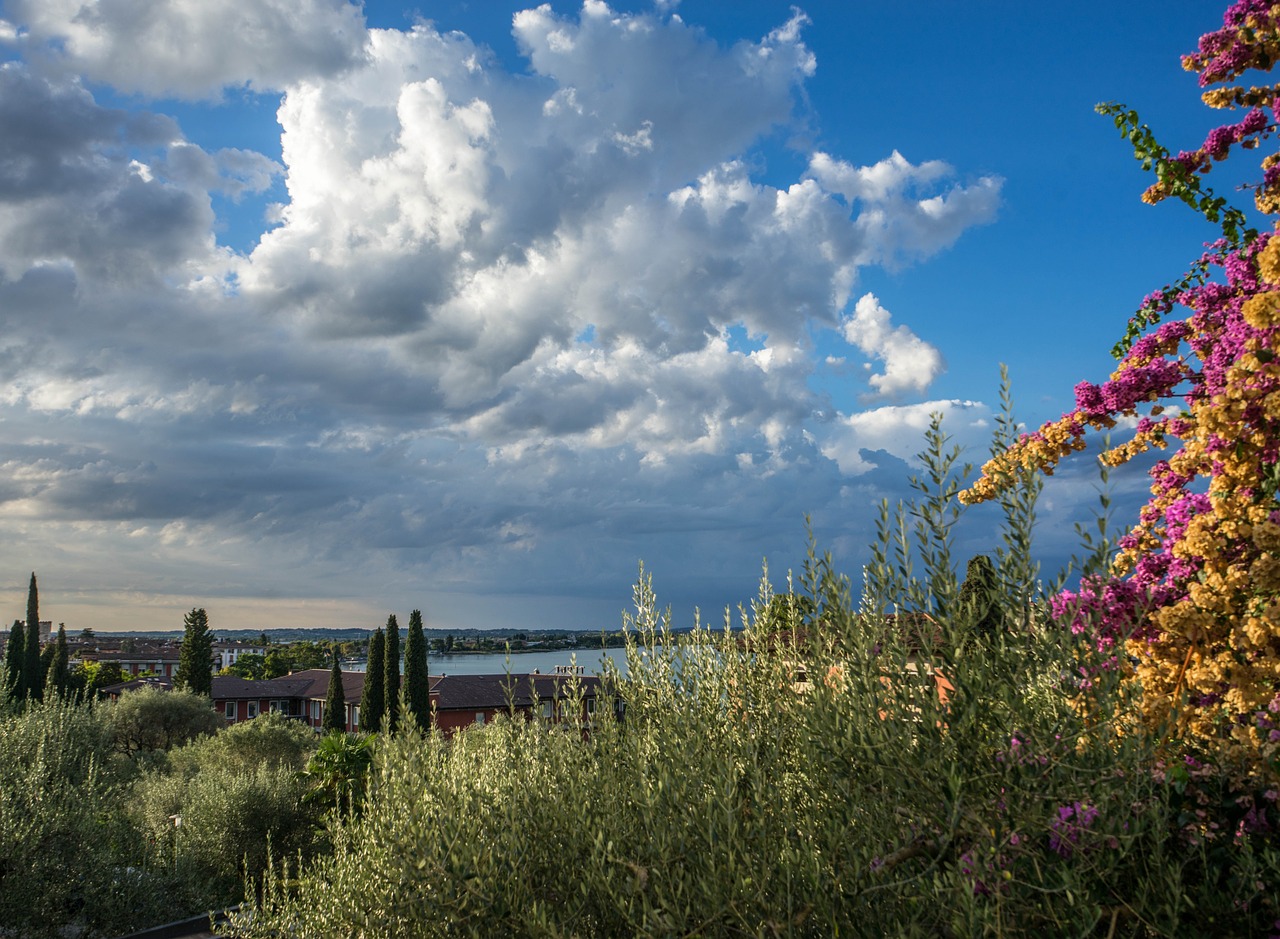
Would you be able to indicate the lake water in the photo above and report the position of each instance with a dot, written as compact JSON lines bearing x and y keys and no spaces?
{"x":518,"y":663}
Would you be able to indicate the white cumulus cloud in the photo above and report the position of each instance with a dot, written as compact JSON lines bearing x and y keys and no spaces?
{"x":505,"y":324}
{"x":904,"y":218}
{"x":910,"y":363}
{"x":899,"y":430}
{"x":195,"y":50}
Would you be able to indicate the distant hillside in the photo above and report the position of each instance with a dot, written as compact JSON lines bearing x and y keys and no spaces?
{"x":319,"y":634}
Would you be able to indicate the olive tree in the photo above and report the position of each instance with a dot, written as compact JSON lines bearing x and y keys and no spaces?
{"x":150,"y":721}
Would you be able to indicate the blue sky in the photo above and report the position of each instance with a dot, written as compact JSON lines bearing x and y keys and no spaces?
{"x":314,"y":312}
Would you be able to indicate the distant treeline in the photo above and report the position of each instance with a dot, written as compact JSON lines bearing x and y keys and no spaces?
{"x":578,"y":637}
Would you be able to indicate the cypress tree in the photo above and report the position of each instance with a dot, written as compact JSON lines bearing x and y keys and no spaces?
{"x":59,"y":674}
{"x":14,"y":660}
{"x":417,"y":685}
{"x":46,"y":665}
{"x":372,"y":703}
{"x":195,"y":658}
{"x":391,"y":681}
{"x":32,"y":673}
{"x":335,"y":702}
{"x":980,"y":612}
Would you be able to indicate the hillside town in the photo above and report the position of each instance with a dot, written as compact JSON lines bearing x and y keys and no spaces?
{"x":109,"y":667}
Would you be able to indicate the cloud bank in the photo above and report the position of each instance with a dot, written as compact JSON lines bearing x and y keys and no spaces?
{"x":505,"y":333}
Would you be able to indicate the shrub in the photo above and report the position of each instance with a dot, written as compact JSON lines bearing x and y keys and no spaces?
{"x":338,"y":773}
{"x":149,"y":721}
{"x":1189,"y":607}
{"x":217,"y":827}
{"x":270,"y":739}
{"x":70,"y":863}
{"x":737,"y":796}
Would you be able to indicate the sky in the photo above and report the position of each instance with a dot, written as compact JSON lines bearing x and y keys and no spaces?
{"x":313,"y":311}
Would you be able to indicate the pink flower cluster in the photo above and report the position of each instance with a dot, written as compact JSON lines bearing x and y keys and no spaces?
{"x":1217,"y":338}
{"x":1109,"y":610}
{"x":1065,"y":830}
{"x":1222,"y":53}
{"x":1128,"y":389}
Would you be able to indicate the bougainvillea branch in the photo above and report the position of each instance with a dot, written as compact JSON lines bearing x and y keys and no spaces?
{"x":1191,"y":609}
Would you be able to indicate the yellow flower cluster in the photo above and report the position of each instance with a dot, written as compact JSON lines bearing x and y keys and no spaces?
{"x":1262,"y":310}
{"x":1236,"y":97}
{"x":1141,"y":442}
{"x":1267,"y":198}
{"x":1155,"y":193}
{"x":1039,"y":452}
{"x":1220,"y":646}
{"x":1268,"y":260}
{"x":1216,"y":653}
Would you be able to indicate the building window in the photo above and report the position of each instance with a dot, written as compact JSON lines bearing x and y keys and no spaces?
{"x":252,"y":709}
{"x":229,"y":709}
{"x":354,"y":719}
{"x":547,"y":710}
{"x":479,"y":717}
{"x":315,"y":710}
{"x":591,"y":706}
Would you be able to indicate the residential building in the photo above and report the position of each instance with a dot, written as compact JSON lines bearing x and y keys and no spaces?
{"x":462,"y":700}
{"x":227,"y":653}
{"x":457,"y":701}
{"x":300,"y":695}
{"x":159,"y":659}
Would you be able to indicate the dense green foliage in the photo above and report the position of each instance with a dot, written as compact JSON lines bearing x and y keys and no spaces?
{"x":338,"y":772}
{"x":14,"y":660}
{"x":281,"y":660}
{"x":148,"y":722}
{"x":979,"y":612}
{"x":59,"y":677}
{"x":335,"y":702}
{"x":88,"y":844}
{"x":220,"y":804}
{"x":391,"y":675}
{"x":67,"y":853}
{"x":195,"y":659}
{"x":270,"y":739}
{"x":739,"y":797}
{"x":32,"y":673}
{"x":372,"y":702}
{"x":417,"y":682}
{"x":221,"y":823}
{"x":90,"y":677}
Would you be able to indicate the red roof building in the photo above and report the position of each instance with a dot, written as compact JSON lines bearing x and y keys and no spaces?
{"x":457,"y":701}
{"x":300,"y":695}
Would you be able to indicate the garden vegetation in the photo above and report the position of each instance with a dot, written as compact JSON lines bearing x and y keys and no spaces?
{"x":924,"y":755}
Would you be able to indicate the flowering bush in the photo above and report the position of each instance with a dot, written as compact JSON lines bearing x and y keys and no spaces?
{"x":1191,"y":608}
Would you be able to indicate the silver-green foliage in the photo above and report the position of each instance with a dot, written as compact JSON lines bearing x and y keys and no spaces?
{"x":88,"y":847}
{"x":214,"y":809}
{"x":795,"y":782}
{"x":70,"y":864}
{"x":214,"y":828}
{"x":149,"y":722}
{"x":270,"y":739}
